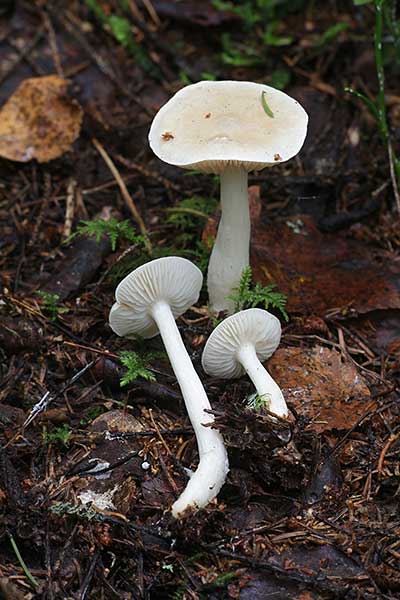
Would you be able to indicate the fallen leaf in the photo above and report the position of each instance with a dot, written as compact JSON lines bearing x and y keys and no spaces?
{"x":319,"y":272}
{"x":39,"y":120}
{"x":321,"y":386}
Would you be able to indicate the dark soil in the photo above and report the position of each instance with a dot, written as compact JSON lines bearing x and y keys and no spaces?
{"x":310,"y":509}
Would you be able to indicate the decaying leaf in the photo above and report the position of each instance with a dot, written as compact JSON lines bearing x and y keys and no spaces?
{"x":39,"y":120}
{"x":321,"y":385}
{"x":321,"y":271}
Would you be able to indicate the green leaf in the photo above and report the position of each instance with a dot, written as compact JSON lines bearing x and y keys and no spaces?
{"x":270,"y":38}
{"x":331,"y":33}
{"x":121,"y":29}
{"x":368,"y":103}
{"x":265,"y":106}
{"x":361,"y":2}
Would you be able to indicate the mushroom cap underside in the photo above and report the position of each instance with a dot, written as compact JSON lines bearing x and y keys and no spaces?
{"x":212,"y":125}
{"x":252,"y":326}
{"x":171,"y":279}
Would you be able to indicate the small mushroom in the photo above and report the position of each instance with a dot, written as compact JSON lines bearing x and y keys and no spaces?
{"x":148,"y":301}
{"x":229,"y":128}
{"x":238,"y":344}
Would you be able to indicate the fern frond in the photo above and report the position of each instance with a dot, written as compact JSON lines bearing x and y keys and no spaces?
{"x":113,"y":228}
{"x":135,"y":367}
{"x":245,"y":296}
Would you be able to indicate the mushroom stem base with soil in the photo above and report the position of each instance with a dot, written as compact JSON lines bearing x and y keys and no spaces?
{"x":211,"y":472}
{"x":230,"y":254}
{"x":266,"y":387}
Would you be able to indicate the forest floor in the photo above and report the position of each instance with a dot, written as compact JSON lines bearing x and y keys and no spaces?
{"x":310,"y":509}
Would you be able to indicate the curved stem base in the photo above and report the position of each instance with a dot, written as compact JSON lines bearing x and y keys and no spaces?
{"x":210,"y":475}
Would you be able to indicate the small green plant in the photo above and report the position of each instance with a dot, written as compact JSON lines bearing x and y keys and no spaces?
{"x":50,"y":305}
{"x":82,"y":511}
{"x":330,"y":34}
{"x":136,"y":366}
{"x":21,"y":561}
{"x":238,"y":54}
{"x":91,"y":415}
{"x":168,"y":567}
{"x":256,"y":402}
{"x":385,"y":15}
{"x":113,"y":228}
{"x":60,"y":436}
{"x":247,"y":295}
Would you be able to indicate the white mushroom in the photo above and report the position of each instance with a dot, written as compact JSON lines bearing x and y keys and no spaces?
{"x":148,"y":301}
{"x":229,"y":128}
{"x":238,"y":344}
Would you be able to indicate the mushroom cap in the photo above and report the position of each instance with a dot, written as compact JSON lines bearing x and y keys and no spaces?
{"x":172,"y":279}
{"x":212,"y":125}
{"x":253,"y":326}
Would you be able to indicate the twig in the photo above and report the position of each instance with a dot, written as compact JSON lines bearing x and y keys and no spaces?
{"x":47,"y":398}
{"x":53,"y":44}
{"x":22,"y":54}
{"x":368,"y":414}
{"x":125,"y":194}
{"x":73,"y":27}
{"x":88,"y":577}
{"x":132,"y":165}
{"x":152,"y":12}
{"x":69,"y":208}
{"x":93,"y":470}
{"x":392,"y":438}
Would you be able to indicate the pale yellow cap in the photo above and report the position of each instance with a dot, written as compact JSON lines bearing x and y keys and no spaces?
{"x":212,"y":125}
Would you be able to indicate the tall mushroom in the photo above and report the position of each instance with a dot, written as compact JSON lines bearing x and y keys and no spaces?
{"x":228,"y":128}
{"x":148,"y":301}
{"x":239,"y":344}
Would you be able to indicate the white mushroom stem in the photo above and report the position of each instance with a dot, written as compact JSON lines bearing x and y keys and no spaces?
{"x":266,"y":387}
{"x":213,"y":467}
{"x":230,"y":254}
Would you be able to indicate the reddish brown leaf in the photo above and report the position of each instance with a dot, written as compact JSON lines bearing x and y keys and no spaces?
{"x":321,"y":386}
{"x":320,"y":272}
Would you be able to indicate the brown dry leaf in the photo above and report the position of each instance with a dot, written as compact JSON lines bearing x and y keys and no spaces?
{"x":39,"y":120}
{"x":321,"y":385}
{"x":319,"y":271}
